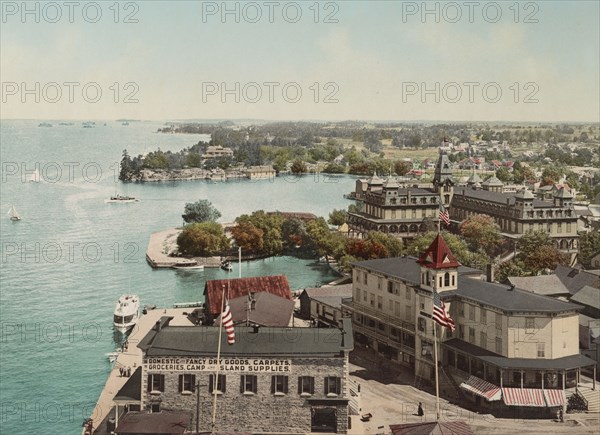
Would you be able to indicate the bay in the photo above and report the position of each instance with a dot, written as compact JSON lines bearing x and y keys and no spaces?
{"x":71,"y":256}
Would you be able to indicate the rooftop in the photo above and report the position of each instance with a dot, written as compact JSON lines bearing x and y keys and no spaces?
{"x":549,"y":285}
{"x":267,"y":310}
{"x":259,"y":341}
{"x":497,"y":197}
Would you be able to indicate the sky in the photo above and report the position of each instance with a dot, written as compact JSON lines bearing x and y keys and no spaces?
{"x":306,"y":60}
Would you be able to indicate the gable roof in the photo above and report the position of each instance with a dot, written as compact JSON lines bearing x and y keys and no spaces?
{"x":549,"y":285}
{"x":234,"y":288}
{"x":268,"y":310}
{"x":438,"y":255}
{"x":575,"y":279}
{"x":589,"y":296}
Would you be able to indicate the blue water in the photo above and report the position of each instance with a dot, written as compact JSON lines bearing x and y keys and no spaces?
{"x":71,"y":256}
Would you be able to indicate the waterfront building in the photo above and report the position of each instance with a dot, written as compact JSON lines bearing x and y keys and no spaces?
{"x":265,"y":172}
{"x":271,"y":380}
{"x":261,"y":308}
{"x":277,"y":285}
{"x":506,"y":338}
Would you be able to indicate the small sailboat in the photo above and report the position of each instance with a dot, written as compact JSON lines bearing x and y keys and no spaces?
{"x":35,"y":177}
{"x":13,"y":215}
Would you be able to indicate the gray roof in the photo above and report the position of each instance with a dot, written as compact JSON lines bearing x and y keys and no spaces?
{"x":589,"y":296}
{"x":269,"y":310}
{"x":525,"y":193}
{"x":575,"y":279}
{"x":329,"y":290}
{"x":492,"y":181}
{"x":565,"y":363}
{"x":548,"y":285}
{"x":495,"y":295}
{"x":249,"y":341}
{"x":497,"y":197}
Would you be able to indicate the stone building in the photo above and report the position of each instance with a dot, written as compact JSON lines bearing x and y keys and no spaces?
{"x":505,"y":337}
{"x":214,"y":152}
{"x":324,"y":304}
{"x":271,"y":380}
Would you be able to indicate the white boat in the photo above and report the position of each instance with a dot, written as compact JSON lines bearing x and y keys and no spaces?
{"x":35,"y":177}
{"x":127,"y":312}
{"x":226,"y":265}
{"x":121,"y":198}
{"x":189,"y":266}
{"x":13,"y":215}
{"x":112,"y":356}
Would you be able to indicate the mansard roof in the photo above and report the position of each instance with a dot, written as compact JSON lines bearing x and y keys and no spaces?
{"x":497,"y":197}
{"x":438,"y":255}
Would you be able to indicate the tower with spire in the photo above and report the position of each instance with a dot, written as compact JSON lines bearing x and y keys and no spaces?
{"x":443,"y":182}
{"x":439,"y":267}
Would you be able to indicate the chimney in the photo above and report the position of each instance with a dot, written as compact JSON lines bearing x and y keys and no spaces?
{"x":489,"y":273}
{"x":157,"y":325}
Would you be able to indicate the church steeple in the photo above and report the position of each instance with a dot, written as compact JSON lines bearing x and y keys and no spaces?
{"x":442,"y":179}
{"x":439,"y":267}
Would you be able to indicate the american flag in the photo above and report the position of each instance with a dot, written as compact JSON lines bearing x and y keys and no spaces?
{"x":444,"y":216}
{"x":440,"y":314}
{"x":227,"y":320}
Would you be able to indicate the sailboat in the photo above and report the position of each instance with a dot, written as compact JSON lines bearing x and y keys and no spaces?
{"x":35,"y":177}
{"x":13,"y":215}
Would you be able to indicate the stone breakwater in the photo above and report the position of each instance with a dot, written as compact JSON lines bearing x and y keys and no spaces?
{"x":187,"y":174}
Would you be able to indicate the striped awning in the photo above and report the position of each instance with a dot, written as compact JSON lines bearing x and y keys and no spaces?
{"x":482,"y":388}
{"x":554,"y":397}
{"x":523,"y":397}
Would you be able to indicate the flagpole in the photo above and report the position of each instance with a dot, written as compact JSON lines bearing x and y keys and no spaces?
{"x":216,"y":380}
{"x":437,"y":384}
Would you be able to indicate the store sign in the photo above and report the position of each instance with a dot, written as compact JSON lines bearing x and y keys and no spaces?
{"x":206,"y":364}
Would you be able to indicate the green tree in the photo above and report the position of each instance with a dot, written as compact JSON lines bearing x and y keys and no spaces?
{"x":503,"y":175}
{"x":127,"y":171}
{"x":457,"y":245}
{"x":202,"y":239}
{"x":271,"y":225}
{"x":338,"y":217}
{"x":481,"y":233}
{"x":538,"y":253}
{"x":392,"y":245}
{"x":589,"y":245}
{"x":401,"y":168}
{"x":200,"y":211}
{"x":510,"y":268}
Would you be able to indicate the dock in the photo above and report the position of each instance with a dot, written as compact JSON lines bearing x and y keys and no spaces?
{"x":132,"y":358}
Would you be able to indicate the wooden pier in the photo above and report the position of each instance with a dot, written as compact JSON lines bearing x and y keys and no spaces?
{"x":132,"y":358}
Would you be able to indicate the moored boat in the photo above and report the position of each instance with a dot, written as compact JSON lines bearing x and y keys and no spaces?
{"x":121,"y":198}
{"x":189,"y":266}
{"x":127,"y":312}
{"x":226,"y":265}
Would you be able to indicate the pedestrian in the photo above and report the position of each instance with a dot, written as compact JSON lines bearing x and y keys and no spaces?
{"x":561,"y":417}
{"x":121,"y":371}
{"x":420,"y":412}
{"x":128,"y":372}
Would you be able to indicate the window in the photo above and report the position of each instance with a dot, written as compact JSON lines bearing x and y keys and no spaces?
{"x":306,"y":385}
{"x":248,"y":384}
{"x":220,"y":383}
{"x":461,"y":332}
{"x":482,"y":340}
{"x":391,"y":306}
{"x":357,"y":294}
{"x":541,"y":353}
{"x":447,"y":279}
{"x":408,"y":314}
{"x":187,"y":382}
{"x":498,"y":345}
{"x":390,"y":287}
{"x":482,"y":316}
{"x":498,"y":321}
{"x":156,"y":382}
{"x":155,"y":407}
{"x":372,"y":299}
{"x":279,"y":384}
{"x":379,"y":281}
{"x":408,"y":290}
{"x":333,"y":386}
{"x":365,"y":296}
{"x":365,"y":278}
{"x":379,"y":302}
{"x":529,"y":325}
{"x":471,"y":312}
{"x":471,"y":335}
{"x":422,"y":324}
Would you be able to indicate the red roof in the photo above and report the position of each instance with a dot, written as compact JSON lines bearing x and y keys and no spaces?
{"x":234,"y":288}
{"x":432,"y":428}
{"x":438,"y":255}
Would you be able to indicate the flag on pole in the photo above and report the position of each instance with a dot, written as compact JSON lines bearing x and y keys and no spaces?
{"x":227,"y":320}
{"x":444,"y":216}
{"x":440,"y":314}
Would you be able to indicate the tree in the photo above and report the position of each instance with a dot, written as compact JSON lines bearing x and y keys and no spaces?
{"x":270,"y":224}
{"x":202,"y":239}
{"x":510,"y":268}
{"x":298,"y":167}
{"x":589,"y":245}
{"x":200,"y":211}
{"x":481,"y":233}
{"x":401,"y":168}
{"x":338,"y":217}
{"x":392,"y":245}
{"x":126,"y":172}
{"x":248,"y":237}
{"x":538,"y":253}
{"x":503,"y":175}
